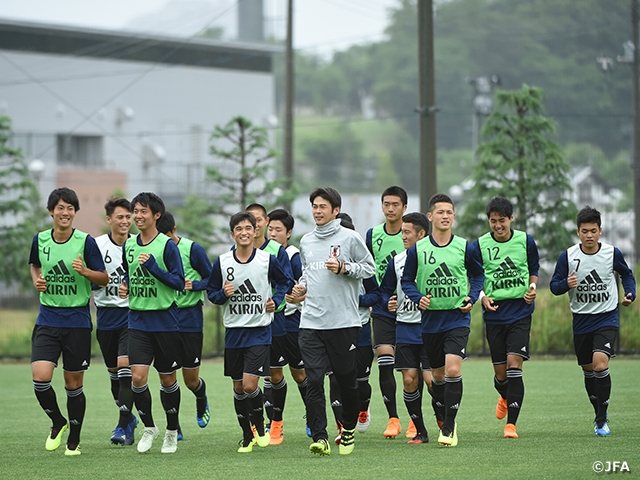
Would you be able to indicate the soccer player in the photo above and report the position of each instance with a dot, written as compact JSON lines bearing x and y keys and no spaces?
{"x":411,"y":355}
{"x":280,"y":228}
{"x":369,"y":296}
{"x":275,"y":387}
{"x":64,"y":262}
{"x":587,"y":271}
{"x":113,"y":318}
{"x":384,"y":242}
{"x":241,"y":281}
{"x":511,"y":263}
{"x":334,"y":262}
{"x":197,"y":269}
{"x":443,"y":275}
{"x":153,"y":276}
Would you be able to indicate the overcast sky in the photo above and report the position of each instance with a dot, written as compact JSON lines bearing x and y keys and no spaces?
{"x":321,"y":25}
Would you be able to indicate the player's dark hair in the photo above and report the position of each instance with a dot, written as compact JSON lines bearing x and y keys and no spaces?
{"x":395,"y":191}
{"x":236,"y":218}
{"x":419,"y":221}
{"x":149,"y":200}
{"x":500,"y":205}
{"x":283,"y":216}
{"x":166,"y":223}
{"x":257,"y":206}
{"x":66,"y":195}
{"x":327,"y":193}
{"x":346,"y":221}
{"x":589,"y":215}
{"x":114,"y":202}
{"x":440,"y":198}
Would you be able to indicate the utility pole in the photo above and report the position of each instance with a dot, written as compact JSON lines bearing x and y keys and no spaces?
{"x":288,"y":105}
{"x":427,"y":108}
{"x":636,"y":129}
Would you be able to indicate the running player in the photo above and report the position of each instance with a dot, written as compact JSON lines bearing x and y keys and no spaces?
{"x":587,"y":271}
{"x":443,"y":275}
{"x":64,"y":263}
{"x":511,"y":263}
{"x":384,"y":242}
{"x":153,"y":276}
{"x":197,"y":269}
{"x":113,"y":318}
{"x":241,"y":281}
{"x":411,"y":355}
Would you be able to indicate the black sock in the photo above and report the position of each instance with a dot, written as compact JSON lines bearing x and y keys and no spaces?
{"x":515,"y":394}
{"x":142,"y":399}
{"x":243,"y":412}
{"x":115,"y":387}
{"x":125,"y":396}
{"x":590,"y":387}
{"x":267,"y":393}
{"x":76,"y":406}
{"x":502,"y":386}
{"x":452,"y":399}
{"x":171,"y":404}
{"x":364,"y":393}
{"x":279,"y":396}
{"x":413,"y":401}
{"x":437,"y":401}
{"x":256,"y":401}
{"x":388,"y":384}
{"x":603,"y":388}
{"x":302,"y":388}
{"x":201,"y":397}
{"x":46,"y":396}
{"x":335,"y":396}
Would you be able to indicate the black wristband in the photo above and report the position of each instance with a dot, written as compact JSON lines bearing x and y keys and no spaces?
{"x":339,"y":267}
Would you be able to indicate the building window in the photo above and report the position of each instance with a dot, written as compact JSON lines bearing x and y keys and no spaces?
{"x":80,"y":150}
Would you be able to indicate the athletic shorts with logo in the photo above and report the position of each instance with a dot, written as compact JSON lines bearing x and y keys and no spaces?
{"x":47,"y":343}
{"x":451,"y":342}
{"x":113,"y":344}
{"x":191,"y":343}
{"x":162,"y":349}
{"x":509,"y":339}
{"x":292,"y":348}
{"x":278,"y":352}
{"x":601,"y":340}
{"x":252,"y":360}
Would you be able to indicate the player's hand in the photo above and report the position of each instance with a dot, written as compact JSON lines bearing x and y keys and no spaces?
{"x":333,"y":264}
{"x":298,"y":291}
{"x":143,"y":257}
{"x":78,"y":265}
{"x":188,"y":284}
{"x":627,"y":299}
{"x":291,"y":298}
{"x":466,"y":305}
{"x":41,"y":283}
{"x":392,"y":304}
{"x":228,"y":289}
{"x":530,"y":296}
{"x":123,"y":290}
{"x":488,"y":304}
{"x":572,"y":280}
{"x":271,"y":305}
{"x":424,"y":302}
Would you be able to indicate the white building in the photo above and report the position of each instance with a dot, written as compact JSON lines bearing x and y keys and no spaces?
{"x":122,"y":110}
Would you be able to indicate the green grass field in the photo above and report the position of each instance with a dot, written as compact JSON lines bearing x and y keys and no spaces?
{"x":555,"y":428}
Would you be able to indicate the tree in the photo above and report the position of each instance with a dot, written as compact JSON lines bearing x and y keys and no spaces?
{"x":245,"y":173}
{"x":195,"y":221}
{"x":517,"y":160}
{"x":20,"y":214}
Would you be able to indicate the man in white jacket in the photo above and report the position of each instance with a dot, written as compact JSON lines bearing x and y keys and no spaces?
{"x":335,"y":260}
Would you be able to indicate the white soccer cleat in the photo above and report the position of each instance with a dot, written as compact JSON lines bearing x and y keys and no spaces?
{"x":364,"y":420}
{"x":170,"y":443}
{"x":149,"y":434}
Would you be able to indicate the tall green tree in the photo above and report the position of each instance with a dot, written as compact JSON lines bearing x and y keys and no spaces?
{"x":244,"y":172}
{"x":518,"y":160}
{"x":195,"y":221}
{"x":20,"y":214}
